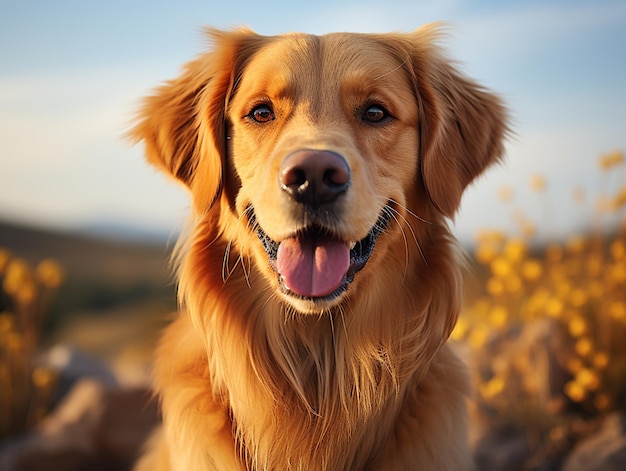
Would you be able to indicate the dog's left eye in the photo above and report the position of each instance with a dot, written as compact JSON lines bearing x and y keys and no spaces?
{"x":262,"y":114}
{"x":375,"y":114}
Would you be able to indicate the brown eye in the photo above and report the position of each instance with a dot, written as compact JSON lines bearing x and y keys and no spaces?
{"x":262,"y":114}
{"x":375,"y":114}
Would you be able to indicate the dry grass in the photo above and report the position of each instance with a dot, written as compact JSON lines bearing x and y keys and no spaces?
{"x":25,"y":298}
{"x":547,"y":328}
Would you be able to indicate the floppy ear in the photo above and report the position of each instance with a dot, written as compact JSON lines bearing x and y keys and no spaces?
{"x":182,"y":124}
{"x":462,"y":126}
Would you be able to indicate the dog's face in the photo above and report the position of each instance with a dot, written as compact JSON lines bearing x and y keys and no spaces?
{"x":321,"y":149}
{"x":324,"y":146}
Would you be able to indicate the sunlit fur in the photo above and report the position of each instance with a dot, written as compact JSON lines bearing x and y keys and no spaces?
{"x":251,"y":378}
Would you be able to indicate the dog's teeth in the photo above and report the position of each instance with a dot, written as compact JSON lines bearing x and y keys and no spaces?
{"x":352,"y":245}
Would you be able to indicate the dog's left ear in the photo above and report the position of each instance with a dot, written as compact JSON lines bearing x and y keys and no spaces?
{"x":462,"y":126}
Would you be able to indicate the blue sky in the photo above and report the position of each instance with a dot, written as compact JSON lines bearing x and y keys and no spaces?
{"x":72,"y":72}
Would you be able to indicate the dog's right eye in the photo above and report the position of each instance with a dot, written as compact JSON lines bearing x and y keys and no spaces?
{"x":262,"y":114}
{"x":375,"y":114}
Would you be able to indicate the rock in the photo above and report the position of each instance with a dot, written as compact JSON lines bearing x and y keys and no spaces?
{"x":501,"y":451}
{"x":603,"y":451}
{"x":73,"y":364}
{"x":126,"y":423}
{"x":95,"y":427}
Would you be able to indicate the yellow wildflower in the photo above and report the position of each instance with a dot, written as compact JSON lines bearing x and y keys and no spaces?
{"x":612,"y":159}
{"x":604,"y":205}
{"x":529,"y":229}
{"x":531,"y":270}
{"x":18,"y":273}
{"x":491,"y":237}
{"x":620,"y":199}
{"x":460,"y":329}
{"x":43,"y":377}
{"x":554,"y":307}
{"x":617,"y":273}
{"x":563,"y":288}
{"x":538,"y":301}
{"x":618,"y":249}
{"x":500,"y":267}
{"x":478,"y":337}
{"x":7,"y":325}
{"x":493,"y":387}
{"x":26,"y":293}
{"x":578,"y":297}
{"x":575,"y":391}
{"x":617,"y":310}
{"x":538,"y":183}
{"x":595,"y":289}
{"x":515,"y":250}
{"x":594,"y":265}
{"x":49,"y":273}
{"x":600,"y":360}
{"x":588,"y":379}
{"x":495,"y":286}
{"x":584,"y":346}
{"x":577,"y":326}
{"x":513,"y":284}
{"x":505,"y":194}
{"x":485,"y":253}
{"x":498,"y":316}
{"x":574,"y":365}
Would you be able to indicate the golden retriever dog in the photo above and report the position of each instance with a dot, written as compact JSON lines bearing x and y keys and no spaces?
{"x":319,"y":281}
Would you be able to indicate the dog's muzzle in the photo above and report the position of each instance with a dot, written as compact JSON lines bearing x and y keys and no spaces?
{"x":313,"y":264}
{"x":316,"y":263}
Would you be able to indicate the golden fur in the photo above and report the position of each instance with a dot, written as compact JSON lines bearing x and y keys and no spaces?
{"x":251,"y":376}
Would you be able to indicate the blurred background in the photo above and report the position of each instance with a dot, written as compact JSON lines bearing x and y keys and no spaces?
{"x":86,"y":227}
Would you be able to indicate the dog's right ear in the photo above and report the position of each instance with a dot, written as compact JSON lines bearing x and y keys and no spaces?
{"x":182,"y":124}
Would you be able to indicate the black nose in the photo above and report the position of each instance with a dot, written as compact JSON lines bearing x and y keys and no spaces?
{"x":314,"y":177}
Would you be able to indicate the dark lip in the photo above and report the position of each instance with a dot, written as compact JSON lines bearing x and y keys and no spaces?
{"x":359,"y":254}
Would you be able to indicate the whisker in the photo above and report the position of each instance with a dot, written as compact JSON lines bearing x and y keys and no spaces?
{"x":411,"y":213}
{"x":227,"y":271}
{"x":247,"y":269}
{"x":417,"y":243}
{"x":391,"y":212}
{"x":406,"y":221}
{"x":225,"y":260}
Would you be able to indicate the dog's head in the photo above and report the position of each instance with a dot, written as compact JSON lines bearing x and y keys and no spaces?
{"x":319,"y":153}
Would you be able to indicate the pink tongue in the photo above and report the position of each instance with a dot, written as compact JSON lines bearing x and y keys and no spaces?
{"x":312,"y":267}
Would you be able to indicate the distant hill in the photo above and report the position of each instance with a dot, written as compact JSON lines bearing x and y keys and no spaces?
{"x":103,"y":276}
{"x":121,"y":231}
{"x":88,"y":256}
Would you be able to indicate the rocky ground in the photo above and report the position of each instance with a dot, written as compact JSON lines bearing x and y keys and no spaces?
{"x":104,"y":417}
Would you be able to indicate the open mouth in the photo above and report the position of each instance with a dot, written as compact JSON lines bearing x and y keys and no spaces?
{"x":315,"y":264}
